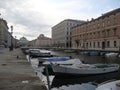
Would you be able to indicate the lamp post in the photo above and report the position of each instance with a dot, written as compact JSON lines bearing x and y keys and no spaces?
{"x":15,"y":41}
{"x":11,"y":47}
{"x":119,"y":44}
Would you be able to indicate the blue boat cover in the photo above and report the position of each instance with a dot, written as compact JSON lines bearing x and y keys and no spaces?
{"x":56,"y":58}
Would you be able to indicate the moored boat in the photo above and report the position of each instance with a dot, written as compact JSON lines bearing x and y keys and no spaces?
{"x":102,"y":53}
{"x":85,"y":53}
{"x":60,"y":62}
{"x":111,"y":55}
{"x":84,"y":69}
{"x":95,"y":79}
{"x":94,"y":53}
{"x":34,"y":53}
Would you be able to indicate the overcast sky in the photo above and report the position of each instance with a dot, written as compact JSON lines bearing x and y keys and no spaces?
{"x":30,"y":18}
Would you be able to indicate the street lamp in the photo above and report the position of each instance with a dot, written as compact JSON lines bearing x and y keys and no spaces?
{"x":119,"y":44}
{"x":15,"y":41}
{"x":11,"y":48}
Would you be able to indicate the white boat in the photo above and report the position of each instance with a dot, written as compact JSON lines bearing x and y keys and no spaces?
{"x":84,"y":69}
{"x":112,"y":85}
{"x":59,"y":62}
{"x":111,"y":55}
{"x":34,"y":53}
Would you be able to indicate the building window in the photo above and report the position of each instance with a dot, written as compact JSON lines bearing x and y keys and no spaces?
{"x":94,"y":35}
{"x":115,"y":31}
{"x":90,"y":35}
{"x":86,"y":36}
{"x":67,"y":32}
{"x":115,"y":43}
{"x":70,"y":33}
{"x":108,"y":43}
{"x":94,"y":26}
{"x":98,"y":33}
{"x":108,"y":32}
{"x":67,"y":23}
{"x":94,"y":44}
{"x":67,"y":38}
{"x":90,"y":44}
{"x":114,"y":21}
{"x":87,"y":44}
{"x":98,"y":25}
{"x":103,"y":24}
{"x":103,"y":33}
{"x":98,"y":44}
{"x":80,"y":44}
{"x":108,"y":23}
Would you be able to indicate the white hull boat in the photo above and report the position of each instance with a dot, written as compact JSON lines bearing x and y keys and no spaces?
{"x":66,"y":62}
{"x":35,"y":53}
{"x":84,"y":69}
{"x":113,"y":85}
{"x":111,"y":55}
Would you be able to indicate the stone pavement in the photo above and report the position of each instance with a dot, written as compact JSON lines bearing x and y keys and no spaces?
{"x":17,"y":73}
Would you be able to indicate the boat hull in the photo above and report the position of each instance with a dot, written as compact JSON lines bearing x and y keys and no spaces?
{"x":67,"y":71}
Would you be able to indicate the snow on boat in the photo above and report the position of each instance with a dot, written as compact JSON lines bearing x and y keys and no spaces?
{"x":112,"y":85}
{"x":84,"y":69}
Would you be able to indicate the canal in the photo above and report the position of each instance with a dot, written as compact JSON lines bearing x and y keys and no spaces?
{"x":58,"y":81}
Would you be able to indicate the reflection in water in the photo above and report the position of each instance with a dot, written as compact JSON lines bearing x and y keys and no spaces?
{"x":60,"y":81}
{"x":83,"y":86}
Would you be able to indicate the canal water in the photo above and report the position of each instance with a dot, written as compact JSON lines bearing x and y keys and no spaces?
{"x":59,"y":81}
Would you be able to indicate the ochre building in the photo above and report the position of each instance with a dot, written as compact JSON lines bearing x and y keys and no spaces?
{"x":102,"y":33}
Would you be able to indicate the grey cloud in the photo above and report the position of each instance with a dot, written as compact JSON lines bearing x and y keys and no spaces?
{"x":34,"y":21}
{"x":28,"y":35}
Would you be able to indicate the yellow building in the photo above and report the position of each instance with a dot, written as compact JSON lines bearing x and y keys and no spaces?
{"x":102,"y":33}
{"x":43,"y":41}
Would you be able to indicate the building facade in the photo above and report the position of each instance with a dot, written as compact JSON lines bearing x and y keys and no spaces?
{"x":43,"y":41}
{"x":6,"y":38}
{"x":4,"y":34}
{"x":32,"y":43}
{"x":102,"y":33}
{"x":61,"y":33}
{"x":22,"y":42}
